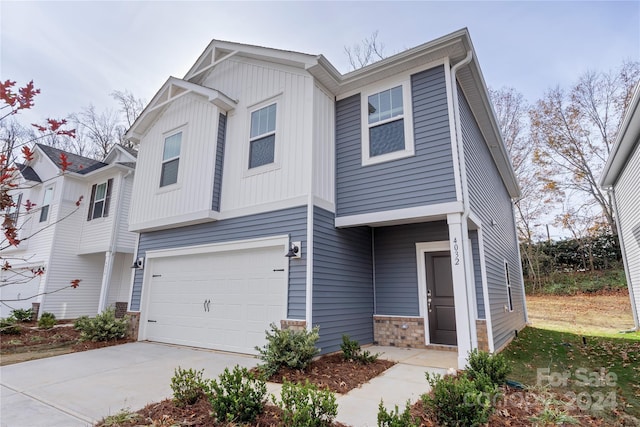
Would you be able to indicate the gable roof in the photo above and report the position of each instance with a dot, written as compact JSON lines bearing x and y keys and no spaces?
{"x":78,"y":164}
{"x":28,"y":173}
{"x":626,"y":142}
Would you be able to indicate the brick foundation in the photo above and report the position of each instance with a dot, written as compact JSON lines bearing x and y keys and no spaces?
{"x":35,"y":308}
{"x":121,"y":309}
{"x":134,"y":324}
{"x":294,"y":325}
{"x":399,"y":331}
{"x":483,"y":337}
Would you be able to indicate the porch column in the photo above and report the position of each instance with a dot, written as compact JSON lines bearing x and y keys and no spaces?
{"x":458,"y":237}
{"x":106,"y":280}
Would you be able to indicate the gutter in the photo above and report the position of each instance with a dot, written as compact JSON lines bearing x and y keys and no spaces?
{"x":466,"y":246}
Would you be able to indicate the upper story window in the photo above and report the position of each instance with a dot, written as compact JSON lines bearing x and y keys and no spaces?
{"x":100,"y":198}
{"x":387,"y":132}
{"x":14,"y":211}
{"x":262,"y":137}
{"x":508,"y":279}
{"x":46,"y":203}
{"x":170,"y":159}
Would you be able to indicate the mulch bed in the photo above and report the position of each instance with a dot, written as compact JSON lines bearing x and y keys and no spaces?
{"x":333,"y":373}
{"x":166,"y":413}
{"x":31,"y":338}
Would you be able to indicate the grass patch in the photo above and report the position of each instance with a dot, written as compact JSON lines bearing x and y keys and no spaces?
{"x":581,"y":282}
{"x":603,"y":372}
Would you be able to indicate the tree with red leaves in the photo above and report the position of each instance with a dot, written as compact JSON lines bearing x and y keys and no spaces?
{"x":13,"y":102}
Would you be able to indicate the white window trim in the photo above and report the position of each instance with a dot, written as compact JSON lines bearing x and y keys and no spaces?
{"x":46,"y":221}
{"x":277,"y":100}
{"x":407,"y":116}
{"x":176,"y":185}
{"x":509,"y":289}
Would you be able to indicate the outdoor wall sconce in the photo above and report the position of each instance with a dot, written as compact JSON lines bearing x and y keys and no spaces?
{"x":294,"y":250}
{"x":138,"y":263}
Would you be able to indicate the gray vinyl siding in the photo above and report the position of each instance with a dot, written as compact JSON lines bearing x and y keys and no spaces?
{"x":477,"y":273}
{"x":423,"y":179}
{"x":292,"y":221}
{"x":396,"y":271}
{"x":342,"y":282}
{"x":217,"y":175}
{"x":490,"y":201}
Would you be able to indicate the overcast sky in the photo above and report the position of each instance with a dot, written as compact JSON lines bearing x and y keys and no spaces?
{"x":79,"y":52}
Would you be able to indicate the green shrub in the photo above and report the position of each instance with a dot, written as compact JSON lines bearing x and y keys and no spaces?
{"x":237,"y":396}
{"x":9,"y":326}
{"x":285,"y":347}
{"x":22,"y":315}
{"x":494,"y":366}
{"x":395,"y":418}
{"x":351,"y":351}
{"x":304,"y":405}
{"x":47,"y":321}
{"x":104,"y":327}
{"x":457,"y":400}
{"x":187,"y":385}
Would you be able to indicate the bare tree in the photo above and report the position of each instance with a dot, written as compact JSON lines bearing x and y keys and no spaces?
{"x":130,"y":108}
{"x":98,"y":129}
{"x":573,"y":131}
{"x":367,"y":52}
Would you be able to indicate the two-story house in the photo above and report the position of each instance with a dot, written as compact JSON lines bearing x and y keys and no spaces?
{"x":272,"y":188}
{"x":63,"y":241}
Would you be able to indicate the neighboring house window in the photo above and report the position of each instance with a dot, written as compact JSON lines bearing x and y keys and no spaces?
{"x":387,"y":132}
{"x":170,"y":159}
{"x":100,"y":198}
{"x":508,"y":279}
{"x":262,"y":138}
{"x":46,"y":203}
{"x":14,"y":210}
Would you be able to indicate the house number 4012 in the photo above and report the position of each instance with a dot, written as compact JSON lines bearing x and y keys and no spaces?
{"x":456,"y":251}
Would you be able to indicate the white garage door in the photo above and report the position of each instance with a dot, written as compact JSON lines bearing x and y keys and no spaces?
{"x":221,"y":300}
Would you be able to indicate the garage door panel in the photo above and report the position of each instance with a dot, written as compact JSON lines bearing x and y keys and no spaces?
{"x":244,"y":291}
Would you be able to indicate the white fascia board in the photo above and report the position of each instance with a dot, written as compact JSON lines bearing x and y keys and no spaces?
{"x":114,"y":167}
{"x":628,"y":137}
{"x":400,"y":216}
{"x":174,"y":221}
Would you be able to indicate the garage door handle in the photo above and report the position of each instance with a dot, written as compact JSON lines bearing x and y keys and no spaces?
{"x":207,"y":305}
{"x":152,"y":321}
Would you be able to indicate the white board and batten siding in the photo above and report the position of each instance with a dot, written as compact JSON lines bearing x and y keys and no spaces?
{"x":190,"y":198}
{"x":628,"y":204}
{"x":254,"y":85}
{"x":324,"y":167}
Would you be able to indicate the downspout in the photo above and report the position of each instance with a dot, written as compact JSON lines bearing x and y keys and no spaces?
{"x":466,"y":253}
{"x":110,"y":254}
{"x":624,"y":259}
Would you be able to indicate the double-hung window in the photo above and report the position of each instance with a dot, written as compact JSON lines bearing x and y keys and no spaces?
{"x":508,"y":279}
{"x":170,"y":159}
{"x":262,"y":137}
{"x":100,"y":198}
{"x":387,"y":125}
{"x":14,"y":211}
{"x":46,"y":203}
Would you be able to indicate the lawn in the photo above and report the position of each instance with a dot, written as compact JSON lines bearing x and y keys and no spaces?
{"x":575,"y":349}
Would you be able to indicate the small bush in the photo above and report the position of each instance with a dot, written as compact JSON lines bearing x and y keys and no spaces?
{"x":124,"y":416}
{"x":457,"y":401}
{"x":22,"y":315}
{"x":237,"y":396}
{"x":285,"y":347}
{"x":47,"y":321}
{"x":395,"y":418}
{"x":9,"y":326}
{"x":304,"y":405}
{"x":494,"y":366}
{"x":351,"y":351}
{"x":187,"y":385}
{"x":104,"y":327}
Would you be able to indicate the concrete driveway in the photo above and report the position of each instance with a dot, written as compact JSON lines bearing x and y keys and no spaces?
{"x":78,"y":389}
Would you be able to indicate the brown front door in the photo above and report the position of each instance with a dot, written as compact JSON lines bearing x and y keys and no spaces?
{"x":440,"y":305}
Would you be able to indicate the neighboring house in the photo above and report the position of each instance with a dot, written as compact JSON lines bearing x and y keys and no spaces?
{"x":65,"y":242}
{"x":391,"y":181}
{"x":621,"y":177}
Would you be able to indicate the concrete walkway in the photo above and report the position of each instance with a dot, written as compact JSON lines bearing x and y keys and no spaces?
{"x":80,"y":388}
